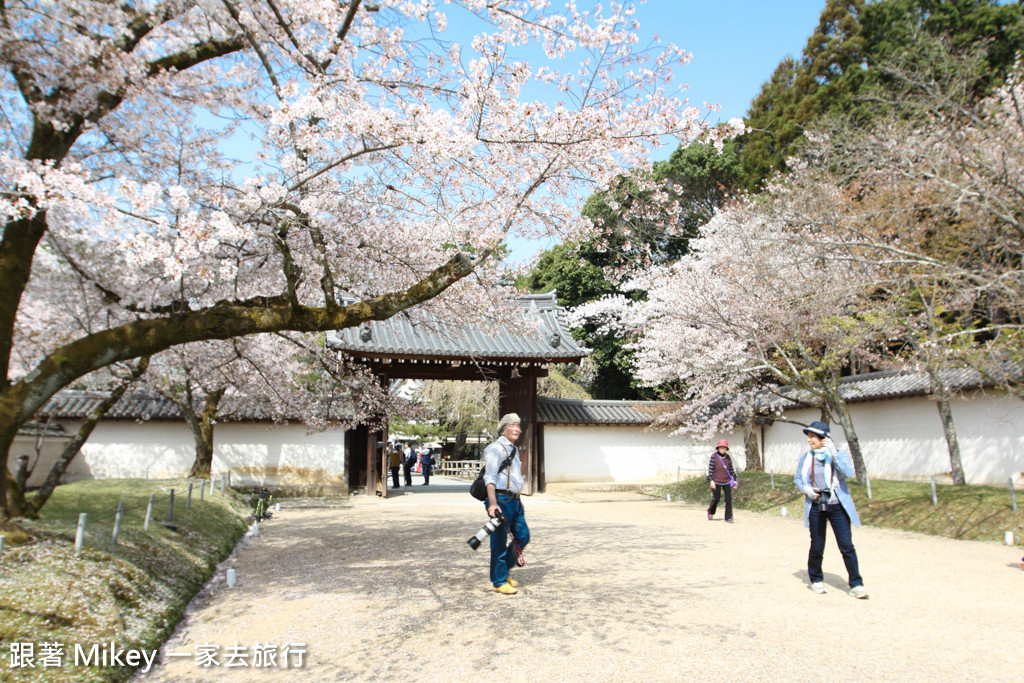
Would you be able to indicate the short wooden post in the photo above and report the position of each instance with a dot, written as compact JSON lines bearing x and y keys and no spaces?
{"x":117,"y":520}
{"x":170,"y":509}
{"x":1,"y":548}
{"x":80,"y":534}
{"x":202,"y":489}
{"x":149,"y":511}
{"x":188,"y":499}
{"x":867,"y":481}
{"x":1013,"y":496}
{"x":935,"y":499}
{"x":771,"y":475}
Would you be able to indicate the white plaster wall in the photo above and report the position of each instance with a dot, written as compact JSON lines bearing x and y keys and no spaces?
{"x":903,"y":438}
{"x":254,"y":453}
{"x":626,"y":454}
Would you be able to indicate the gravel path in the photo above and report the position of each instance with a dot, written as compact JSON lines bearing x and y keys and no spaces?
{"x":612,"y":591}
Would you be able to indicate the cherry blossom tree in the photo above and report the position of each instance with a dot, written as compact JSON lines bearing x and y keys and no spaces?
{"x":219,"y":168}
{"x":281,"y":377}
{"x":758,"y":305}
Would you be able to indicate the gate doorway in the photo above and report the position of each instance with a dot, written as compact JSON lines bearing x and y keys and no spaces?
{"x":403,"y":347}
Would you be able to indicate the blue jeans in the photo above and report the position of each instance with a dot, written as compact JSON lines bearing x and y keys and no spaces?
{"x":503,"y":557}
{"x":840,"y":521}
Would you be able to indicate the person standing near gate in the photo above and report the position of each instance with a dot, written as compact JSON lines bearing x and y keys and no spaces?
{"x":722,"y":476}
{"x":407,"y":463}
{"x":394,"y":460}
{"x":821,"y":476}
{"x":427,"y":463}
{"x":504,"y":486}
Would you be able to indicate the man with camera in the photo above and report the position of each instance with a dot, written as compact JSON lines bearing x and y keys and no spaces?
{"x":821,"y":476}
{"x":503,"y":475}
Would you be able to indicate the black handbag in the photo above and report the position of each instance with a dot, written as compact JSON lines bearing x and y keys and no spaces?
{"x":478,"y":489}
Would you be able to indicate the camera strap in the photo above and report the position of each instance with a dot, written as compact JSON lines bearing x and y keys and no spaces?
{"x":507,"y":463}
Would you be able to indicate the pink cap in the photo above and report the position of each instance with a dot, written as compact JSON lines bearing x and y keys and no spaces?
{"x":723,"y":442}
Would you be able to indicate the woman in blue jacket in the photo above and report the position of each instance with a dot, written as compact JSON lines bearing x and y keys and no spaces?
{"x":821,"y":476}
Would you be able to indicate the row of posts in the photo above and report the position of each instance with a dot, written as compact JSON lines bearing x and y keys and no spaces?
{"x":224,"y":480}
{"x":935,"y":498}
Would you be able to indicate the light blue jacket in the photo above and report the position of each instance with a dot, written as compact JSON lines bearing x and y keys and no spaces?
{"x":843,"y":468}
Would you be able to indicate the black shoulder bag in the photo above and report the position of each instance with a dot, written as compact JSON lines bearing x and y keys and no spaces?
{"x":478,"y":489}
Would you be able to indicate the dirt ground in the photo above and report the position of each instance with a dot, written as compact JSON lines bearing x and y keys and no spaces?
{"x":616,"y":588}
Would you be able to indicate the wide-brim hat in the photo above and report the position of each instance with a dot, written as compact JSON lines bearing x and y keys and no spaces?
{"x":722,"y":443}
{"x":817,"y":427}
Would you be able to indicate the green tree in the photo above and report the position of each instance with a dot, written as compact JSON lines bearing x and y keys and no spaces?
{"x":699,"y":178}
{"x":842,"y":67}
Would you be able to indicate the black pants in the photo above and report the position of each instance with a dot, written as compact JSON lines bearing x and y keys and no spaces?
{"x":728,"y":499}
{"x":394,"y":476}
{"x":408,"y":475}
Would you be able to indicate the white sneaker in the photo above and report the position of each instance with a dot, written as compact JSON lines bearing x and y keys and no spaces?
{"x":859,"y":592}
{"x":818,"y":587}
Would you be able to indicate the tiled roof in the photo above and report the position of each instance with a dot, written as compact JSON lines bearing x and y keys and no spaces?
{"x":76,"y":405}
{"x":575,"y":411}
{"x":872,"y":386}
{"x":409,"y":336}
{"x":887,"y":384}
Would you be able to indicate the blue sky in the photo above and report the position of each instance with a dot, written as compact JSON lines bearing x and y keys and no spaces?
{"x":736,"y":44}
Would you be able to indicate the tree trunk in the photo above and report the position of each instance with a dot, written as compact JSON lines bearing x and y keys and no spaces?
{"x":460,"y":444}
{"x":842,"y":414}
{"x":224,"y":320}
{"x":752,"y":447}
{"x":942,"y":396}
{"x":202,"y":433}
{"x":60,"y":466}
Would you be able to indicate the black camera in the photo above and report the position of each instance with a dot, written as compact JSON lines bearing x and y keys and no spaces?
{"x":492,"y":525}
{"x":824,"y":496}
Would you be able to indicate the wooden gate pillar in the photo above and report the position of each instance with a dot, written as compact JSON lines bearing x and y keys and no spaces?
{"x":519,"y":395}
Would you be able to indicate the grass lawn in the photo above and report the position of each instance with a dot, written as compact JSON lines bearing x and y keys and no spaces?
{"x":980,"y":513}
{"x":133,"y":593}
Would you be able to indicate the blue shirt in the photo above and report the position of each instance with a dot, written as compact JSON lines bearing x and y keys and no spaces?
{"x":511,"y":477}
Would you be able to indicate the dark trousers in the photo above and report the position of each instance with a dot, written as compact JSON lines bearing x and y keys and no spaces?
{"x":716,"y":494}
{"x":840,"y":521}
{"x":408,"y":475}
{"x":394,"y":476}
{"x":503,"y":557}
{"x":426,"y":474}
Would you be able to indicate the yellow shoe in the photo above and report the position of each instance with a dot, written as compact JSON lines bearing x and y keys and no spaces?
{"x":512,"y":582}
{"x":505,"y":589}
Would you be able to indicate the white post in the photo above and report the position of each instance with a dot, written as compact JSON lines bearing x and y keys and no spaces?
{"x":117,"y":520}
{"x":935,"y":499}
{"x":232,"y":578}
{"x":80,"y":534}
{"x":149,"y":512}
{"x":867,"y":480}
{"x":1013,"y":496}
{"x":1,"y":548}
{"x":1009,"y":538}
{"x":771,"y":473}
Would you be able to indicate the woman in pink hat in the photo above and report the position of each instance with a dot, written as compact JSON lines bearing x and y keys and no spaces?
{"x":722,"y":476}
